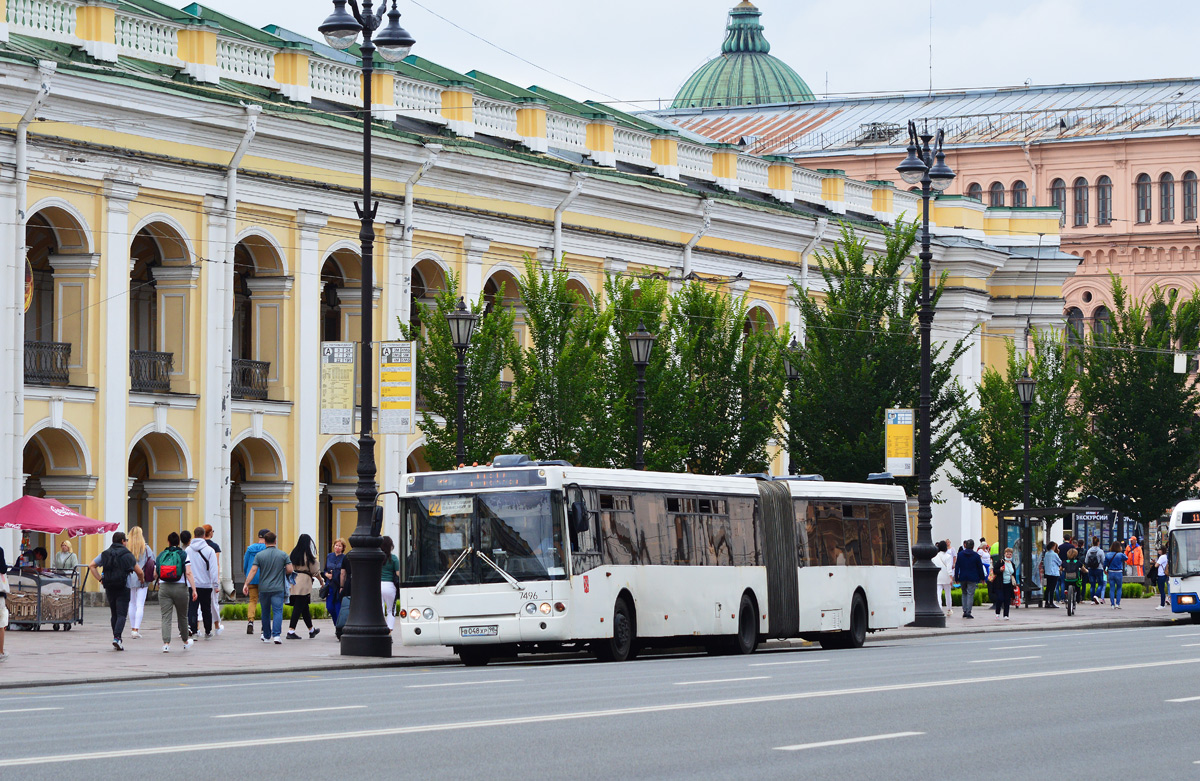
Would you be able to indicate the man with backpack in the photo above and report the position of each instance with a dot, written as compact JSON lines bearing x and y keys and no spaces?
{"x":1093,"y":560}
{"x":203,"y":562}
{"x":174,"y":583}
{"x":121,"y":572}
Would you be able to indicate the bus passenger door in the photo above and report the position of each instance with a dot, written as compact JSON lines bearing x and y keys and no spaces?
{"x":779,"y":553}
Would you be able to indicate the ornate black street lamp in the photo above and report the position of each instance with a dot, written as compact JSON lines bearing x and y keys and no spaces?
{"x":791,"y":365}
{"x":1025,"y":390}
{"x":366,"y":633}
{"x":462,"y":325}
{"x":926,"y":166}
{"x":640,"y":343}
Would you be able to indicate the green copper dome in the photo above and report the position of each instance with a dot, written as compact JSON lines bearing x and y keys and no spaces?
{"x":745,"y":74}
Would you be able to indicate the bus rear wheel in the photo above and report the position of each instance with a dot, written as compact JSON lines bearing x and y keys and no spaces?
{"x":857,"y":634}
{"x":1195,"y":618}
{"x":619,"y":647}
{"x":473,"y":656}
{"x":746,"y":639}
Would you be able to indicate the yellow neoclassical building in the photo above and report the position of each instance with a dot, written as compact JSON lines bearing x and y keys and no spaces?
{"x":178,"y":194}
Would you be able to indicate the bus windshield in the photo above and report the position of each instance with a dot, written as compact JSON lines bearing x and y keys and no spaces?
{"x":1185,"y":552}
{"x":520,"y":531}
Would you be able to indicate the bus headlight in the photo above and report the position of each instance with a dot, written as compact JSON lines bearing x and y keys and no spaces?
{"x":427,"y":613}
{"x":415,"y":614}
{"x":544,"y":608}
{"x":531,"y":609}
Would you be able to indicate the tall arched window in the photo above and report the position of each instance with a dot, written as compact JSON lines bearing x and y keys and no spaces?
{"x":974,"y":190}
{"x":996,"y":194}
{"x":1058,"y":197}
{"x":1104,"y":201}
{"x":1081,"y":202}
{"x":1142,"y":190}
{"x":1100,"y":323}
{"x":1189,"y":196}
{"x":1074,"y":326}
{"x":1020,"y":194}
{"x":1166,"y":198}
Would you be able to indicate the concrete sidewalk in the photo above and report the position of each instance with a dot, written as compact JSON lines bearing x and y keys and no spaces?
{"x":85,"y":654}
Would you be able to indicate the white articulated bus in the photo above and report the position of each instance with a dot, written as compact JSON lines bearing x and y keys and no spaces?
{"x":1183,"y":555}
{"x":529,"y":557}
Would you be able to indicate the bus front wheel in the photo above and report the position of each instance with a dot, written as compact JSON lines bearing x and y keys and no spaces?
{"x":619,"y":647}
{"x":1195,"y":618}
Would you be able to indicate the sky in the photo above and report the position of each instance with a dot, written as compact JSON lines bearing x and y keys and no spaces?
{"x":637,"y":53}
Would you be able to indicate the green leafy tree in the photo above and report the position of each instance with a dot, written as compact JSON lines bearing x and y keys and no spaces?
{"x":1143,"y":443}
{"x":555,"y":378}
{"x":490,"y":411}
{"x":989,"y":456}
{"x":862,"y":356}
{"x":720,"y":387}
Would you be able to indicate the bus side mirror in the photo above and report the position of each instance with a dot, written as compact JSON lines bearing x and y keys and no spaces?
{"x":577,"y":517}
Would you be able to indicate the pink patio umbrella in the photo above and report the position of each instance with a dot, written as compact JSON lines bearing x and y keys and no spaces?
{"x":51,"y":517}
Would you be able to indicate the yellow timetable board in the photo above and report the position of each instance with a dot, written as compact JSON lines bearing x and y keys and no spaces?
{"x":899,"y":431}
{"x":397,"y":387}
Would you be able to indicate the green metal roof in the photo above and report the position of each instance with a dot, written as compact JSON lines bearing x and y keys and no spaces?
{"x":745,"y":74}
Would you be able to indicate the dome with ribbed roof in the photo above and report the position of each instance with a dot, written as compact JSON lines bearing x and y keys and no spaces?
{"x":745,"y":74}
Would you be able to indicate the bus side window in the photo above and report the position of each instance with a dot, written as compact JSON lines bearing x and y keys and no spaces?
{"x":617,"y":528}
{"x":880,"y":530}
{"x":743,"y":536}
{"x":652,"y":541}
{"x":831,"y":534}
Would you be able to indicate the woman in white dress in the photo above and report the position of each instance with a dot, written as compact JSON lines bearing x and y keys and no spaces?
{"x":945,"y":579}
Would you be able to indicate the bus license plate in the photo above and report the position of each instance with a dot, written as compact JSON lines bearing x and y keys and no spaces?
{"x":479,"y":631}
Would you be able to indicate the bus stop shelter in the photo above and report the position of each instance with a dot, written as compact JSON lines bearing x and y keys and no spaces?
{"x":1026,"y":531}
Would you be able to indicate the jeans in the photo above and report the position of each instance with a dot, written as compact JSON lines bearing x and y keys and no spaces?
{"x":300,"y":609}
{"x":173,"y":597}
{"x":118,"y":606}
{"x":1162,"y":590}
{"x":137,"y":606}
{"x":1002,"y":596}
{"x":1096,"y":576}
{"x":333,"y":601}
{"x":271,"y":603}
{"x":198,"y":607}
{"x":968,"y":597}
{"x":1115,"y":579}
{"x":1051,"y":588}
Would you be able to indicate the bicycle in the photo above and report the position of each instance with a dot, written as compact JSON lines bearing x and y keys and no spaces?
{"x":1072,"y":597}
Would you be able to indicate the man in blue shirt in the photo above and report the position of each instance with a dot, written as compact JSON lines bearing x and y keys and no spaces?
{"x":968,"y":570}
{"x":251,"y":587}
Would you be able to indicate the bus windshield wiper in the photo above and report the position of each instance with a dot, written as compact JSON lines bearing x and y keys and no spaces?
{"x":496,"y":567}
{"x":446,"y":578}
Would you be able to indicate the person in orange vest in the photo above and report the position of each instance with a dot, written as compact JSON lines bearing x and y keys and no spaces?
{"x":1133,"y":552}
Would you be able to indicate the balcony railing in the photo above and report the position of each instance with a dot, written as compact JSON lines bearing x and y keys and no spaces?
{"x":150,"y":372}
{"x":46,"y":363}
{"x":250,"y":379}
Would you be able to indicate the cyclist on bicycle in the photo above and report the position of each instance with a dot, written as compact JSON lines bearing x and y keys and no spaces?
{"x":1072,"y":575}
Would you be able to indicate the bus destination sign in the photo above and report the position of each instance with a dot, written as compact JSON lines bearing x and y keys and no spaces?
{"x":476,"y":480}
{"x":1191,"y":516}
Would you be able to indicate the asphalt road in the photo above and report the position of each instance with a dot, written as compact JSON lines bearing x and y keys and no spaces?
{"x":1035,"y":704}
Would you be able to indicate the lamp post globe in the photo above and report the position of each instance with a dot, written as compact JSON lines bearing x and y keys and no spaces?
{"x":641,"y":342}
{"x":365,"y":632}
{"x":462,"y":325}
{"x":393,"y":41}
{"x":926,"y":165}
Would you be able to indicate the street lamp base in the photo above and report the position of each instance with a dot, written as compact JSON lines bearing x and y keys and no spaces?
{"x":367,"y":642}
{"x":924,"y":620}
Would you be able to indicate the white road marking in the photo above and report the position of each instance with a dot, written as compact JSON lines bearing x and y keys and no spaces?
{"x":461,"y":683}
{"x":723,"y":680}
{"x":27,"y":710}
{"x":848,"y":741}
{"x":794,"y":661}
{"x":1189,"y":645}
{"x":1015,"y":647}
{"x":509,"y":721}
{"x":1185,"y":699}
{"x":285,"y":712}
{"x":1005,"y":659}
{"x":1185,"y":634}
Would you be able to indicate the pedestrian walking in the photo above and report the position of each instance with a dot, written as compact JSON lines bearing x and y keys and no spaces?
{"x":345,"y":576}
{"x":968,"y":570}
{"x":3,"y":603}
{"x":250,"y":587}
{"x":1052,"y":568}
{"x":1002,"y":580}
{"x":65,"y":559}
{"x":1161,"y":571}
{"x":272,"y":567}
{"x":175,"y":586}
{"x":1094,"y":561}
{"x":1133,"y":555}
{"x":333,"y":578}
{"x":218,"y":627}
{"x":144,"y":555}
{"x":203,"y":562}
{"x":390,"y":581}
{"x":118,"y":564}
{"x":304,"y":564}
{"x":945,"y":578}
{"x":1114,"y":567}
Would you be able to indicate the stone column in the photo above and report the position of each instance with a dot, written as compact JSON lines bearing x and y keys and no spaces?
{"x":306,"y":423}
{"x":114,"y":376}
{"x":214,"y":486}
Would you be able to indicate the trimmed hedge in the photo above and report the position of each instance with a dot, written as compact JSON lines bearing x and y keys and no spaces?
{"x":237,"y":611}
{"x":1128,"y":591}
